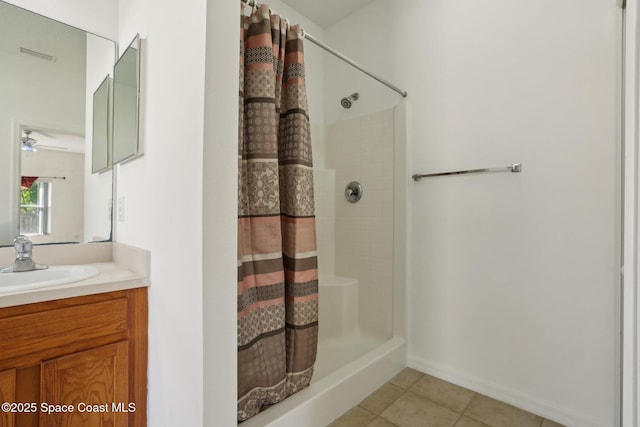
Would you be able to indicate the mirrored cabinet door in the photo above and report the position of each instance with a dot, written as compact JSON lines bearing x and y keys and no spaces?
{"x":126,"y":79}
{"x":101,"y":156}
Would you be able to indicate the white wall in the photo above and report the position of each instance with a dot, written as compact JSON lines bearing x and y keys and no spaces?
{"x":162,"y":195}
{"x":220,"y":218}
{"x":514,"y":276}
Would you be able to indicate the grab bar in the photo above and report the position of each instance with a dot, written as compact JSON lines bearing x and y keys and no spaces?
{"x":515,"y":167}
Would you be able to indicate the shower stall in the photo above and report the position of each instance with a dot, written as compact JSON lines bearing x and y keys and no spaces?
{"x":355,"y":238}
{"x":361,"y":263}
{"x":360,"y":185}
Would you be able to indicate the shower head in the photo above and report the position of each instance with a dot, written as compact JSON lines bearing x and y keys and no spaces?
{"x":346,"y":102}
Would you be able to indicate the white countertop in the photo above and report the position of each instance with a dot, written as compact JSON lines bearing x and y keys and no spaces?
{"x":112,"y":277}
{"x":121,"y":267}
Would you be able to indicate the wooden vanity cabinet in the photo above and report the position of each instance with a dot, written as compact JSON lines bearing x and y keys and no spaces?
{"x":88,"y":353}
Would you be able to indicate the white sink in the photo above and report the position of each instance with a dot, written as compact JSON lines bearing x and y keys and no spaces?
{"x":52,"y":276}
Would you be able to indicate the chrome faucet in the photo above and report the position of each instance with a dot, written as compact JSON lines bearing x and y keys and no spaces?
{"x":23,"y":261}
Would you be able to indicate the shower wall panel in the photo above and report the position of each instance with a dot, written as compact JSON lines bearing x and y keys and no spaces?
{"x":324,"y":191}
{"x":362,"y":149}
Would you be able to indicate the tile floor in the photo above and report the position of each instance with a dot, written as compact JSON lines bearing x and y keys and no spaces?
{"x":414,"y":399}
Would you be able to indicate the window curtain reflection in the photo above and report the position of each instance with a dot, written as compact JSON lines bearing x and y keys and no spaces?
{"x":27,"y":181}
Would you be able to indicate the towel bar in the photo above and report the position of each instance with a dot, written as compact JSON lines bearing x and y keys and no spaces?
{"x":515,"y":167}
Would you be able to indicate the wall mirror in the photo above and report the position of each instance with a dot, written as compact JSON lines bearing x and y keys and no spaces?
{"x":101,"y":147}
{"x":50,"y":72}
{"x":126,"y":85}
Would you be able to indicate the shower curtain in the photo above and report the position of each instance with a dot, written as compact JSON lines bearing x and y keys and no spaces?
{"x":277,"y":262}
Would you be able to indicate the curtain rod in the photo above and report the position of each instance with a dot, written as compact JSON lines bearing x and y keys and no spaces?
{"x":338,"y":55}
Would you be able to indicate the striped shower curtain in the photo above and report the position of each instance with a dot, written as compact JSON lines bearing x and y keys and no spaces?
{"x":277,"y":263}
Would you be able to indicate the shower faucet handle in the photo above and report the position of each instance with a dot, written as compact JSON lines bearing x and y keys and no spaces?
{"x":353,"y":192}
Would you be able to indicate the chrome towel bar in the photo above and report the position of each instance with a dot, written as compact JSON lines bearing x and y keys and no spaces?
{"x":515,"y":167}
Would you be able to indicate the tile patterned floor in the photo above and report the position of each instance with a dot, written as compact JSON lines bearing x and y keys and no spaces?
{"x":414,"y":399}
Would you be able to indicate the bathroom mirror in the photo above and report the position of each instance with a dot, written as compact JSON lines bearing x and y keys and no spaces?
{"x":101,"y":129}
{"x":49,"y":73}
{"x":126,"y":83}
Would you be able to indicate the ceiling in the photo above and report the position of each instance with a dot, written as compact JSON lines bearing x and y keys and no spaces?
{"x":327,"y":12}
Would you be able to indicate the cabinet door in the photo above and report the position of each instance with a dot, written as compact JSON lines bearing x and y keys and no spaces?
{"x":92,"y":383}
{"x":7,"y":395}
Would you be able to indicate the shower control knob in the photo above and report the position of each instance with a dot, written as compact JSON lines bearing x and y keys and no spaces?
{"x":353,"y":192}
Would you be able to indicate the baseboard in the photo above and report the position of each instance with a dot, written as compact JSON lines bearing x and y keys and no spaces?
{"x":516,"y":398}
